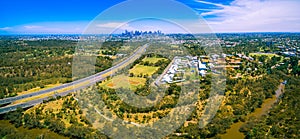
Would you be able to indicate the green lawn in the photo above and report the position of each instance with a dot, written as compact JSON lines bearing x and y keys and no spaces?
{"x":152,"y":59}
{"x":261,"y":54}
{"x":144,"y":70}
{"x":266,"y":54}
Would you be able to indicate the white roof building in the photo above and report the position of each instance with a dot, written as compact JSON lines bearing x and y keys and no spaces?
{"x":201,"y":66}
{"x":202,"y":72}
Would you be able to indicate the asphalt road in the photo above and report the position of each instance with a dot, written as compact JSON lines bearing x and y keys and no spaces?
{"x":91,"y":80}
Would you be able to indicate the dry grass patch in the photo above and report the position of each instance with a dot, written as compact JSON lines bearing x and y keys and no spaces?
{"x":56,"y":107}
{"x":145,"y":118}
{"x":50,"y":93}
{"x":34,"y":97}
{"x":124,"y":82}
{"x":37,"y":89}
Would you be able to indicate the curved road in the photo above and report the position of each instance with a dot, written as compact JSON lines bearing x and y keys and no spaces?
{"x":91,"y":79}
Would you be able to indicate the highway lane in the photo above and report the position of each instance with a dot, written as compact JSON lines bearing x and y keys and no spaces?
{"x":91,"y":79}
{"x":40,"y":100}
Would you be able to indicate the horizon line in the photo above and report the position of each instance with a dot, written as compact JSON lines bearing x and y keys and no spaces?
{"x":246,"y":32}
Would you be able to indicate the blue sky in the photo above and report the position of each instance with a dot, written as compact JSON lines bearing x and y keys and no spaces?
{"x":63,"y":17}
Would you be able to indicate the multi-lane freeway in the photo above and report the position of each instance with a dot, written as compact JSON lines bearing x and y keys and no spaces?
{"x":70,"y":87}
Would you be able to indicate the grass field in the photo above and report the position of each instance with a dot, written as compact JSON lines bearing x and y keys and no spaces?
{"x":125,"y":48}
{"x":261,"y":54}
{"x":174,"y":46}
{"x":267,"y":54}
{"x":152,"y":59}
{"x":125,"y":82}
{"x":144,"y":70}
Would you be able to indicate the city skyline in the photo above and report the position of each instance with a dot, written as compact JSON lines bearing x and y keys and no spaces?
{"x":56,"y":17}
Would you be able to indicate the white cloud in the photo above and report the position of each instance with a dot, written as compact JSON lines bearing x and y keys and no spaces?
{"x":110,"y":25}
{"x":32,"y":27}
{"x":211,"y":3}
{"x":6,"y":28}
{"x":254,"y":16}
{"x":107,"y":27}
{"x":114,"y":26}
{"x":47,"y":28}
{"x":176,"y":26}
